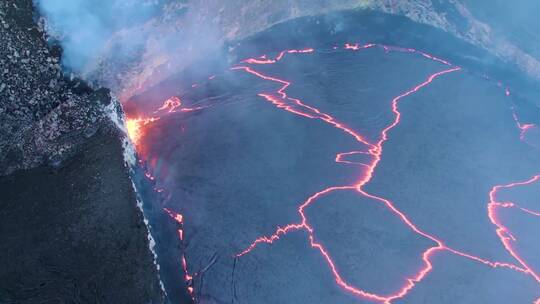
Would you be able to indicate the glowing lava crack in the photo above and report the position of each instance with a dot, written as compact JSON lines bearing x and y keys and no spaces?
{"x":373,"y":151}
{"x":281,"y":100}
{"x":504,"y":233}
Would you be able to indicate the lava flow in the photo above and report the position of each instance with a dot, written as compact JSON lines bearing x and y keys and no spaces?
{"x":505,"y":235}
{"x":187,"y":276}
{"x":373,"y":152}
{"x":281,"y":100}
{"x":135,"y":127}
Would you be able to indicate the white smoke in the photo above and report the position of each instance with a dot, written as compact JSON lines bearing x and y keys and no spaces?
{"x":120,"y":44}
{"x":85,"y":27}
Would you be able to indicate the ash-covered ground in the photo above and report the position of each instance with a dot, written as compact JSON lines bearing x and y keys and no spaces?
{"x":275,"y":207}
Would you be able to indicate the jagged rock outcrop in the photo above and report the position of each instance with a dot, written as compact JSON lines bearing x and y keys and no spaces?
{"x":44,"y":117}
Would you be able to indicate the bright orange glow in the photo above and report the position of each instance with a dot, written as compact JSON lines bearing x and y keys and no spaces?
{"x":135,"y":128}
{"x":187,"y":276}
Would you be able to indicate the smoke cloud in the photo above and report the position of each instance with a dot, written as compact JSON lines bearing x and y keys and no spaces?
{"x":128,"y":45}
{"x":85,"y":27}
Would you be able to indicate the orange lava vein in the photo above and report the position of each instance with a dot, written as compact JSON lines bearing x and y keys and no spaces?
{"x":187,"y":276}
{"x":523,"y":128}
{"x":535,"y":213}
{"x":504,"y":234}
{"x":298,"y":107}
{"x":170,"y":104}
{"x":135,"y":127}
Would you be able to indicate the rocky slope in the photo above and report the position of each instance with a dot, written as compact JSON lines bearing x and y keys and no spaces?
{"x":70,"y":228}
{"x":44,"y":117}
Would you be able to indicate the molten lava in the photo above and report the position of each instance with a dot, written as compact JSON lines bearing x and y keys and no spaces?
{"x":373,"y":152}
{"x":281,"y":100}
{"x":187,"y":276}
{"x":505,"y":235}
{"x":170,"y":104}
{"x":135,"y":128}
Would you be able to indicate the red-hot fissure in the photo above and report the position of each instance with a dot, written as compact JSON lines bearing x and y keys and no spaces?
{"x":282,"y":101}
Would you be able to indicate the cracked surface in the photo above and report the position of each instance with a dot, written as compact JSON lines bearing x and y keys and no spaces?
{"x":355,"y":223}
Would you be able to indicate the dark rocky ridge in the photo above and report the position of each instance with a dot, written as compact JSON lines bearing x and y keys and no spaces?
{"x":43,"y":116}
{"x":69,"y":226}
